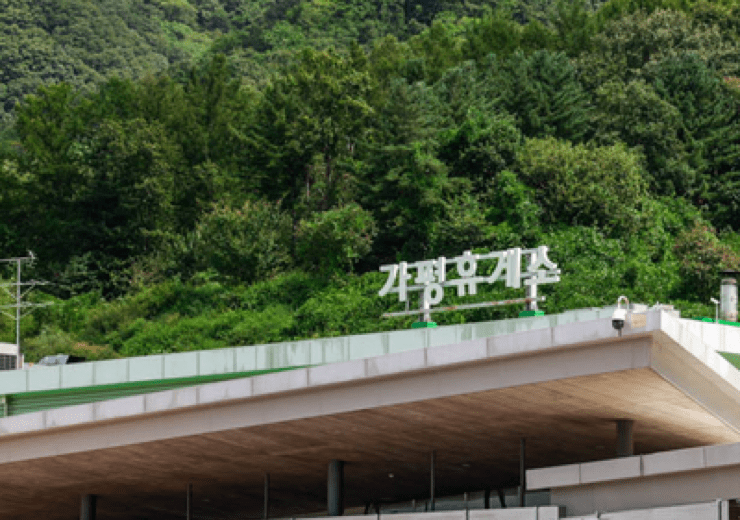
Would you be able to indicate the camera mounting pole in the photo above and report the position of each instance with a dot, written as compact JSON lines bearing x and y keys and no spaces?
{"x":17,"y":297}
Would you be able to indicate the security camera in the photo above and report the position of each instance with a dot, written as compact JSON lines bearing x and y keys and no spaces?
{"x":620,"y":314}
{"x":714,"y":301}
{"x":618,"y":318}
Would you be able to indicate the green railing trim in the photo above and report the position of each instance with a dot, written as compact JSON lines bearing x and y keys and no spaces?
{"x":721,"y":322}
{"x":28,"y":402}
{"x":734,"y":359}
{"x":178,"y":381}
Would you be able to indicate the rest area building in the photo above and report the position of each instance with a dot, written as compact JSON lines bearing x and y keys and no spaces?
{"x":535,"y":418}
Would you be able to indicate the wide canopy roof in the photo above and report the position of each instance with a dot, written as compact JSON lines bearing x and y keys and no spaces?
{"x":562,"y":387}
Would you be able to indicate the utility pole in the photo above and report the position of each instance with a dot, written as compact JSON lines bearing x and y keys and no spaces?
{"x":17,"y":296}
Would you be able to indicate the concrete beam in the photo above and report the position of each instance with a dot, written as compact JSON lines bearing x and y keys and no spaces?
{"x":288,"y":396}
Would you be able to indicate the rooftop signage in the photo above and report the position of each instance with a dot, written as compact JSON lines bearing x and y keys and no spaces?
{"x":430,"y":277}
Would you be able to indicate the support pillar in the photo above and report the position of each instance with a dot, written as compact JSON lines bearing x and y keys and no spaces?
{"x":501,"y":498}
{"x":431,"y":478}
{"x":625,"y":440}
{"x":88,"y":507}
{"x":486,"y":498}
{"x":266,"y":508}
{"x":335,"y":488}
{"x":522,"y":472}
{"x":189,"y":502}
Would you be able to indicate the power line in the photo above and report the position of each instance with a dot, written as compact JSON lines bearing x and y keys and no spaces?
{"x":17,"y":291}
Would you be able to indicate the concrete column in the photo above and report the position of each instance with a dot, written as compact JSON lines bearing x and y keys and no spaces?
{"x":266,"y":508}
{"x":522,"y":472}
{"x":431,"y":478}
{"x":501,"y":498}
{"x":486,"y":498}
{"x":189,"y":503}
{"x":335,"y":488}
{"x":625,"y":441}
{"x":88,"y":507}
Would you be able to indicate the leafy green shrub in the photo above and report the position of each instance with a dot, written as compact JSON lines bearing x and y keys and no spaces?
{"x":349,"y":306}
{"x":333,"y":240}
{"x":288,"y":289}
{"x":597,"y":269}
{"x":701,"y":258}
{"x":512,"y":212}
{"x":174,"y":333}
{"x":245,"y":244}
{"x":54,"y":341}
{"x":602,"y":186}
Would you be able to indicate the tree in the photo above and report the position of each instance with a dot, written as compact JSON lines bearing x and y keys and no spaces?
{"x":702,"y":257}
{"x":710,"y":128}
{"x":317,"y":108}
{"x":634,"y":113}
{"x":627,"y":45}
{"x":492,"y":34}
{"x":545,"y":95}
{"x":244,"y":244}
{"x":332,"y":241}
{"x":90,"y":184}
{"x":602,"y":187}
{"x":403,"y":183}
{"x":481,"y":147}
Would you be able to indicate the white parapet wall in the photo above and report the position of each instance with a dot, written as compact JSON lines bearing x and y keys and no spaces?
{"x":688,"y":476}
{"x":523,"y":513}
{"x":718,"y":510}
{"x":714,"y":510}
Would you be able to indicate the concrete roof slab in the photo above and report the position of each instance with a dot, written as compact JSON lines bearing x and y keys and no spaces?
{"x":171,"y":399}
{"x":520,"y":342}
{"x":396,"y":363}
{"x":471,"y":401}
{"x":68,"y":416}
{"x":287,"y":381}
{"x":117,"y":408}
{"x":225,"y":391}
{"x":673,"y":461}
{"x":336,"y":373}
{"x":605,"y":470}
{"x":722,"y":455}
{"x":466,"y":352}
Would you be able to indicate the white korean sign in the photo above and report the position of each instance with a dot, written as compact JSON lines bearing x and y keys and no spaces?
{"x":431,"y":276}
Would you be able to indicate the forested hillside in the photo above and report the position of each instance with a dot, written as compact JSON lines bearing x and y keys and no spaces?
{"x":84,"y":42}
{"x":202,"y":174}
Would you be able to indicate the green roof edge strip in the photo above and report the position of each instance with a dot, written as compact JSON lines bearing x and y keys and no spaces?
{"x":179,"y":381}
{"x":721,"y":322}
{"x":731,"y":357}
{"x":304,"y":352}
{"x":29,"y":402}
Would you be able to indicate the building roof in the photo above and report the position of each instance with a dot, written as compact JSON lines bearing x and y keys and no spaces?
{"x":467,"y":392}
{"x":40,"y":388}
{"x":272,"y":356}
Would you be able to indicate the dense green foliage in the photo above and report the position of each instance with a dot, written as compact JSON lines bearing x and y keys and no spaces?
{"x":198,"y":174}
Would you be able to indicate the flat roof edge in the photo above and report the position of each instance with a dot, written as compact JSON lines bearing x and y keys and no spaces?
{"x":636,"y":467}
{"x":353,"y":372}
{"x":273,"y":355}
